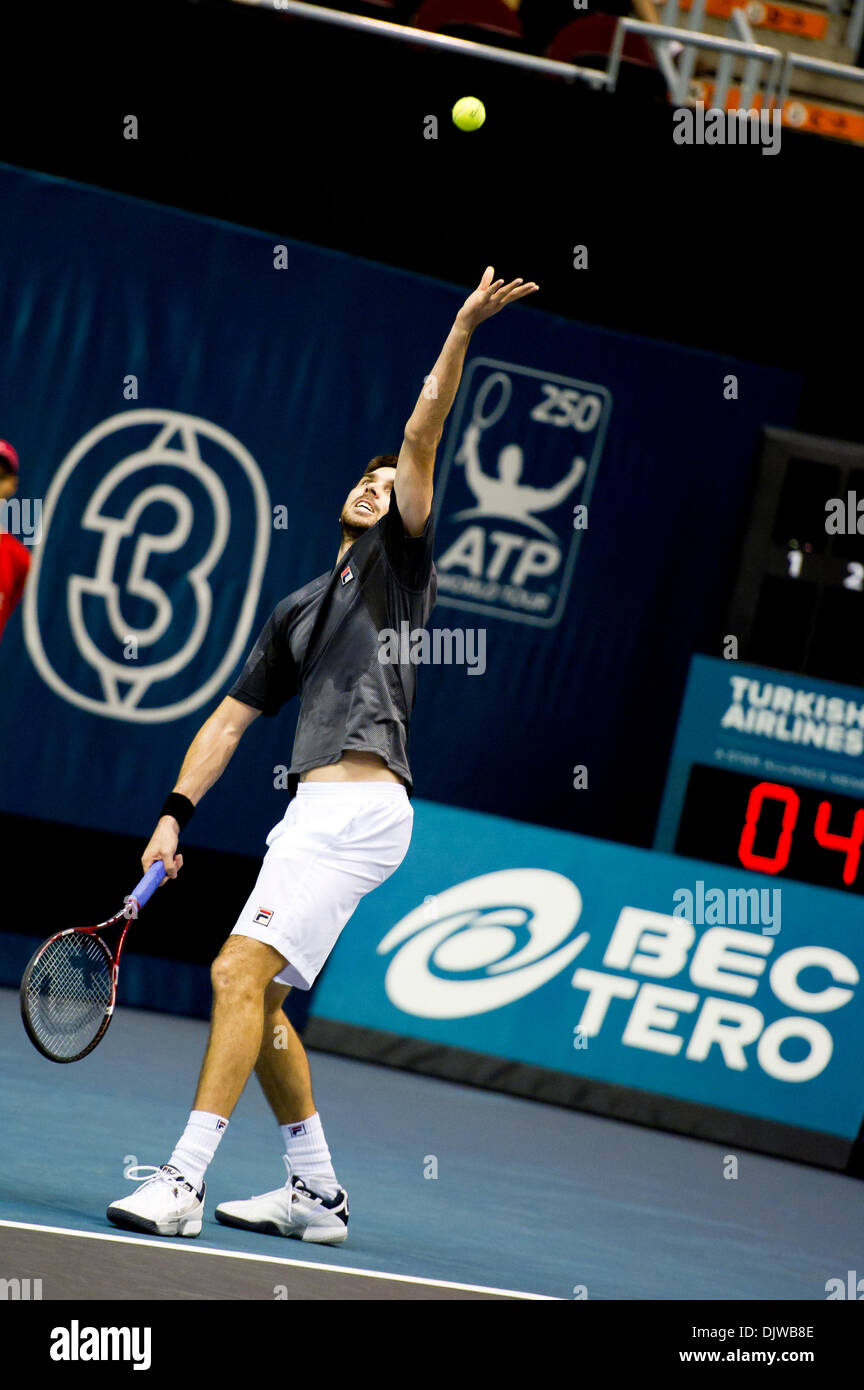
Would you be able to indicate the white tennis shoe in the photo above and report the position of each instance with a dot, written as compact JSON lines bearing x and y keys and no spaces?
{"x":294,"y":1210}
{"x":164,"y":1205}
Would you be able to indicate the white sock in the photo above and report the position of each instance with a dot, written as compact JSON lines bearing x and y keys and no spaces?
{"x":197,"y":1145}
{"x":307,"y":1149}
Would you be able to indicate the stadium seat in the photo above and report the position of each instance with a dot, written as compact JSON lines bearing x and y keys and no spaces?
{"x":394,"y":11}
{"x":483,"y":21}
{"x":387,"y":9}
{"x":592,"y":37}
{"x":375,"y":9}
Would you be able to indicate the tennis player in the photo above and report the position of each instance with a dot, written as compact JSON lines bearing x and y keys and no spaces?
{"x":345,"y":831}
{"x":14,"y":557}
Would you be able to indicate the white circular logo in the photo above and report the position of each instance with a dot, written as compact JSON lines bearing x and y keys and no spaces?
{"x":141,"y":614}
{"x":483,"y":943}
{"x":795,"y":113}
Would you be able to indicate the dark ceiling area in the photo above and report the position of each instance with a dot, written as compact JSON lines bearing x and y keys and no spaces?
{"x":318,"y":134}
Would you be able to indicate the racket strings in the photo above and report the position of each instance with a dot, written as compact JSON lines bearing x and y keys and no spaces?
{"x":69,"y":993}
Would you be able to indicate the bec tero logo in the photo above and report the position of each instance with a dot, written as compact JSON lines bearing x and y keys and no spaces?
{"x":523,"y":455}
{"x":155,"y":537}
{"x":659,"y":986}
{"x":494,"y":939}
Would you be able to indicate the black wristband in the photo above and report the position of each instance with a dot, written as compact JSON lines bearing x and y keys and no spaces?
{"x":180,"y":807}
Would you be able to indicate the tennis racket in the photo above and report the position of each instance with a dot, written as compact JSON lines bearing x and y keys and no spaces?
{"x":70,"y":985}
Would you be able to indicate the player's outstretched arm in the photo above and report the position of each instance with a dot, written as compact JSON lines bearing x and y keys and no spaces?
{"x":208,"y":756}
{"x":423,"y":431}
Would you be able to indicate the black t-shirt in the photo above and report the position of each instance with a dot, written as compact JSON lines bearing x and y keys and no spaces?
{"x":322,"y":643}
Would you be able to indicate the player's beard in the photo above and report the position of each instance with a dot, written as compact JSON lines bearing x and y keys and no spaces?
{"x":352,"y":529}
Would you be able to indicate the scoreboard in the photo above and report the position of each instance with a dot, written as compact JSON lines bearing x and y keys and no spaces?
{"x":767,"y":770}
{"x":798,"y":603}
{"x":773,"y":827}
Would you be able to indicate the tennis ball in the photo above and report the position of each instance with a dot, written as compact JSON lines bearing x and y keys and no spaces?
{"x":469,"y":113}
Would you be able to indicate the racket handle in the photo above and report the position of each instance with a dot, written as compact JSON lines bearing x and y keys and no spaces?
{"x":144,"y":890}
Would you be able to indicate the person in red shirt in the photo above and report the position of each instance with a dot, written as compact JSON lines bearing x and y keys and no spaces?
{"x":14,"y":557}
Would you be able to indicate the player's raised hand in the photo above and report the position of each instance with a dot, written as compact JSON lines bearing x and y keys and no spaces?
{"x":492,"y":295}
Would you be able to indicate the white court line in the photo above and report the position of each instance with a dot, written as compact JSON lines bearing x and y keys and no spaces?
{"x":163,"y":1244}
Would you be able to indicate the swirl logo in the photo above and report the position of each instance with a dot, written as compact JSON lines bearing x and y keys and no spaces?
{"x":483,"y":943}
{"x":134,"y":549}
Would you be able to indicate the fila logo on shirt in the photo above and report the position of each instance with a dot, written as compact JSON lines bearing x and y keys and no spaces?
{"x":347,"y":574}
{"x":262,"y":916}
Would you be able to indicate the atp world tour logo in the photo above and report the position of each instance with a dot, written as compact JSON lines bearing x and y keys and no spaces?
{"x":142,"y":595}
{"x":516,"y":481}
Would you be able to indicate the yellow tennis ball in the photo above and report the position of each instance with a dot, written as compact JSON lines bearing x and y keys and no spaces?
{"x":469,"y":113}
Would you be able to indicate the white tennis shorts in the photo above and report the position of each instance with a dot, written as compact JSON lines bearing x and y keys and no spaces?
{"x":336,"y":842}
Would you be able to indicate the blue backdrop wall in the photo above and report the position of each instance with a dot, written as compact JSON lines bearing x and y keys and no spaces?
{"x":191,"y":404}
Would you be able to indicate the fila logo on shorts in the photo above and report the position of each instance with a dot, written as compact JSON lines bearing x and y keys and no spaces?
{"x":262,"y":916}
{"x":346,"y":574}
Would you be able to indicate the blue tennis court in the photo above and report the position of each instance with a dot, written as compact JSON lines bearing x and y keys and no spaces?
{"x":529,"y":1198}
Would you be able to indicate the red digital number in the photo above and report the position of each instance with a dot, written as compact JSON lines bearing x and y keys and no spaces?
{"x":850,"y":844}
{"x":771,"y":791}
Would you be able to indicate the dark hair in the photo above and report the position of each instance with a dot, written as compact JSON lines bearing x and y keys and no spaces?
{"x":381,"y":461}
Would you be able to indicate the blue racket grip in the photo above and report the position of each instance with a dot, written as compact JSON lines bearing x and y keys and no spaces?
{"x":144,"y":890}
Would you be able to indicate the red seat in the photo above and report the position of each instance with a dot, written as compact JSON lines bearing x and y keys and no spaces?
{"x":491,"y":16}
{"x":593,"y":35}
{"x":391,"y":10}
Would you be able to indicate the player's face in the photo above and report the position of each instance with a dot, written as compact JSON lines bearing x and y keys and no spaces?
{"x":368,"y":501}
{"x":9,"y":483}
